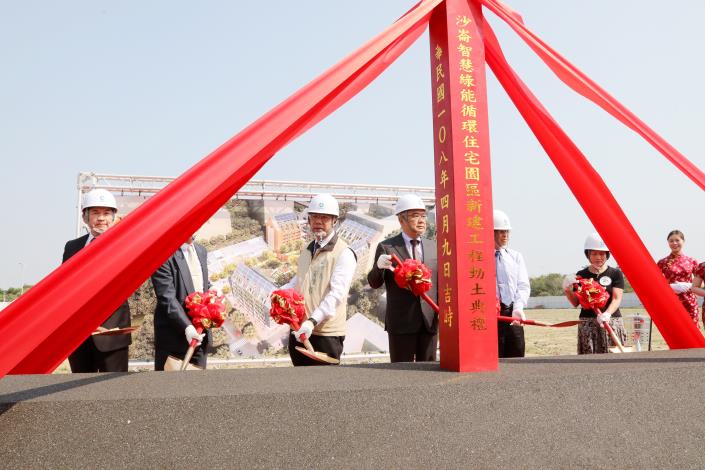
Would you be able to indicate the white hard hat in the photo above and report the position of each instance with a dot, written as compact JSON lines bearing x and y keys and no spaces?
{"x":594,"y":242}
{"x":324,"y":204}
{"x":99,"y":198}
{"x":409,"y":202}
{"x":501,"y":221}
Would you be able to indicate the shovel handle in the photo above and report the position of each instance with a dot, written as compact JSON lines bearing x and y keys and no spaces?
{"x":610,"y":331}
{"x":307,"y":344}
{"x":191,"y":349}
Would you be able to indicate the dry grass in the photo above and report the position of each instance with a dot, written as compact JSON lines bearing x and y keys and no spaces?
{"x":563,"y":341}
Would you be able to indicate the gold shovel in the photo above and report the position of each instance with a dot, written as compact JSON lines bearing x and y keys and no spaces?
{"x":309,"y":352}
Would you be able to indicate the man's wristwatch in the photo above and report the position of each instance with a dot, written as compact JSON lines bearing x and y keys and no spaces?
{"x":312,"y":320}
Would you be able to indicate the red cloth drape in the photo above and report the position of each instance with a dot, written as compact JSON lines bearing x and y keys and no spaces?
{"x":600,"y":206}
{"x":42,"y":327}
{"x":582,"y":84}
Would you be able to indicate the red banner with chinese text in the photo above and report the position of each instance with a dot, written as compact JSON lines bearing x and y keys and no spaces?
{"x":600,"y":206}
{"x":42,"y":327}
{"x":464,"y":231}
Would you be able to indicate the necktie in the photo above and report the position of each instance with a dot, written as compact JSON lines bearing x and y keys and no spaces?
{"x":501,"y":275}
{"x":414,"y":244}
{"x":316,"y":247}
{"x":194,"y":266}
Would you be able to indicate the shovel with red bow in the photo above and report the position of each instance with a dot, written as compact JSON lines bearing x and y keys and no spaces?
{"x":206,"y":310}
{"x":288,"y":309}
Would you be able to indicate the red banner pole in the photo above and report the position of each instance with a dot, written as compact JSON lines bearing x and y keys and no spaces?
{"x":466,"y":272}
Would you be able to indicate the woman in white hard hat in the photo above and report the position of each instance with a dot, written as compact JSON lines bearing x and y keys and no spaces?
{"x":678,"y":269}
{"x":592,"y":337}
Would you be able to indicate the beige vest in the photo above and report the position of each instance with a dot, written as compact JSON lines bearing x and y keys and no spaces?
{"x":314,"y":283}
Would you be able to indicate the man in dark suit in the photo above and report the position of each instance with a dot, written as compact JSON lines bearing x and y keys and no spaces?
{"x":411,"y":324}
{"x":100,"y":353}
{"x":185,"y":272}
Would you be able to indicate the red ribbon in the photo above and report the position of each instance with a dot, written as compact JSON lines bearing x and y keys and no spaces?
{"x":42,"y":327}
{"x":287,"y":308}
{"x":599,"y":205}
{"x":414,"y":276}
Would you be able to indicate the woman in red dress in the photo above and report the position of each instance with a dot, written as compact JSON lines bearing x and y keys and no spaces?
{"x":678,"y":270}
{"x":698,"y":280}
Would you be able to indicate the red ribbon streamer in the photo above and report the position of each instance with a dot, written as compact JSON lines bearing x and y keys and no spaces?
{"x":45,"y":325}
{"x":538,"y":323}
{"x":599,"y":205}
{"x":583,"y":85}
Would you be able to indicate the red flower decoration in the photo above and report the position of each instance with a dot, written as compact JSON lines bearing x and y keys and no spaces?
{"x":590,"y":293}
{"x":287,"y":307}
{"x":412,"y":274}
{"x":206,"y":309}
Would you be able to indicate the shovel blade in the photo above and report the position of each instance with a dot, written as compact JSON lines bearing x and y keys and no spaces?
{"x":174,"y":364}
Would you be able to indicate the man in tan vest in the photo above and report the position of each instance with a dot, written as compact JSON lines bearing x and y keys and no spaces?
{"x":323,"y":277}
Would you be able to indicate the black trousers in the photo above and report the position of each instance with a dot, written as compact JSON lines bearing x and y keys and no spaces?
{"x":331,"y":345}
{"x":419,"y":347}
{"x":510,"y":338}
{"x":199,"y":357}
{"x":86,"y":359}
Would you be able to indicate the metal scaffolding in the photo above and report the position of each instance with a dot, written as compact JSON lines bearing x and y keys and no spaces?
{"x":272,"y":190}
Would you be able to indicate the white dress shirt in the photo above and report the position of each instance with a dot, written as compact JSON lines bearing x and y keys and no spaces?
{"x":340,"y":281}
{"x":419,"y":246}
{"x":514,"y":287}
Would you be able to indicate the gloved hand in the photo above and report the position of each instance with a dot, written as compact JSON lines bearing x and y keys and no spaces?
{"x":519,"y":314}
{"x":681,"y":287}
{"x":384,"y":261}
{"x":568,"y":281}
{"x":602,"y":318}
{"x":191,"y":334}
{"x":306,"y":329}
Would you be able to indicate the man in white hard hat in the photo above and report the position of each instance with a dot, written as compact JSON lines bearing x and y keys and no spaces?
{"x":185,"y":272}
{"x":100,"y":353}
{"x":411,"y":324}
{"x":513,"y":289}
{"x":323,"y":276}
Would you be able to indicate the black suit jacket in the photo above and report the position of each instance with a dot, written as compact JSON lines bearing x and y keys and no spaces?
{"x":119,"y":319}
{"x":172,"y":284}
{"x":406,"y":313}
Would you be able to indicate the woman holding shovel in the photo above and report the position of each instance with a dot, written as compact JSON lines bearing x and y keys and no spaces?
{"x":592,"y":336}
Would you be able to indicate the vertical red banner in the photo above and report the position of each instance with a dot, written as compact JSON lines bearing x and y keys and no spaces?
{"x":464,"y":230}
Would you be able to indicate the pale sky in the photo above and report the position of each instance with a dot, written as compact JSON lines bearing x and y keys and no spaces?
{"x":149,"y":88}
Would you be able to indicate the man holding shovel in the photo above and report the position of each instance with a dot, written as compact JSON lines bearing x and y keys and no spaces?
{"x":100,"y":353}
{"x":411,"y":324}
{"x":323,"y":276}
{"x":185,"y":272}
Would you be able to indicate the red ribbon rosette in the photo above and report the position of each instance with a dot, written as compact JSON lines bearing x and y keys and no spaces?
{"x":206,"y":310}
{"x":288,"y":308}
{"x":590,"y":294}
{"x":412,"y":274}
